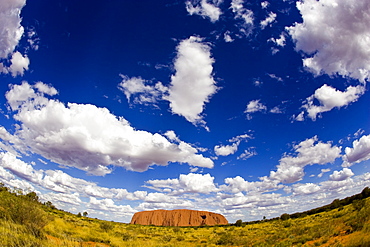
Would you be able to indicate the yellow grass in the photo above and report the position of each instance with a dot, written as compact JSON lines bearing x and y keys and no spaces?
{"x":345,"y":226}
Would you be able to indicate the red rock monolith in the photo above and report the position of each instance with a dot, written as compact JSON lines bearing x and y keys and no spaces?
{"x":178,"y":217}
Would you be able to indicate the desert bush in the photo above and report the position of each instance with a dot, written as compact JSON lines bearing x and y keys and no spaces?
{"x":106,"y":226}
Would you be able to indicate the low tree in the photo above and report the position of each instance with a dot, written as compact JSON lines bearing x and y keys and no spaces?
{"x":285,"y":216}
{"x":85,"y":214}
{"x":239,"y":223}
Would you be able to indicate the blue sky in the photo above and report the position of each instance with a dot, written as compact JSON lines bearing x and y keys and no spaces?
{"x":244,"y":108}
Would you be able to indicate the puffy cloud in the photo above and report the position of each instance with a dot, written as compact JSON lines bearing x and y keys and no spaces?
{"x":255,"y":106}
{"x":305,"y":189}
{"x":335,"y":36}
{"x":186,"y":183}
{"x":227,"y":37}
{"x":109,"y":205}
{"x":192,"y":85}
{"x":140,"y":90}
{"x":239,"y":184}
{"x":329,"y":98}
{"x":242,"y":13}
{"x":265,"y":4}
{"x":322,"y":172}
{"x":19,"y":64}
{"x":46,"y":89}
{"x":91,"y":138}
{"x":359,"y":152}
{"x":205,"y":9}
{"x":280,"y":41}
{"x":269,"y":19}
{"x":310,"y":151}
{"x":341,"y":175}
{"x":247,"y":154}
{"x":11,"y":30}
{"x":226,"y":150}
{"x":58,"y":181}
{"x":276,"y":110}
{"x":20,"y":168}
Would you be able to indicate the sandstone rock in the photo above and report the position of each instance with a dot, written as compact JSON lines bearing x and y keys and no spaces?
{"x":178,"y":217}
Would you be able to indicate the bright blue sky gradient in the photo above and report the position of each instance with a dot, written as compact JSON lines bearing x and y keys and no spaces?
{"x":244,"y":108}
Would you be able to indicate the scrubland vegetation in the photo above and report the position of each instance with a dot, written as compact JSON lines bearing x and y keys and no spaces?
{"x":24,"y":221}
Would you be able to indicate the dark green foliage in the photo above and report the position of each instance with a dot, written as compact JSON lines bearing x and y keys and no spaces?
{"x":285,"y":217}
{"x":106,"y":226}
{"x":239,"y":223}
{"x":356,"y":200}
{"x":226,"y":239}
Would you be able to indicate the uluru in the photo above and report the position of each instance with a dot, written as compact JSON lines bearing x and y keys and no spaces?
{"x":178,"y":217}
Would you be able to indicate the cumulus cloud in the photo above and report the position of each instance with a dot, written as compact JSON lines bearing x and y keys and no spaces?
{"x":279,"y":41}
{"x":11,"y":30}
{"x":186,"y":183}
{"x":269,"y":19}
{"x":247,"y":154}
{"x":242,"y":13}
{"x":305,"y":189}
{"x":359,"y":152}
{"x":140,"y":90}
{"x":335,"y":37}
{"x":310,"y":151}
{"x":91,"y":138}
{"x":110,"y":205}
{"x":205,"y":9}
{"x":254,"y":106}
{"x":60,"y":182}
{"x":330,"y":98}
{"x":265,"y":4}
{"x":225,"y":150}
{"x":341,"y":175}
{"x":193,"y":84}
{"x":19,"y":64}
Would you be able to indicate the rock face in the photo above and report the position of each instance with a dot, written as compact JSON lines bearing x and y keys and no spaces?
{"x":178,"y":217}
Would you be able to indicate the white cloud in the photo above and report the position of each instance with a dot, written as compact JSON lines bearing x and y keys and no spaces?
{"x":227,"y":37}
{"x":242,"y":13}
{"x":330,"y":98}
{"x":110,"y":205}
{"x":226,"y":150}
{"x":186,"y":183}
{"x":255,"y":106}
{"x":359,"y":152}
{"x":310,"y":151}
{"x":269,"y":19}
{"x":335,"y":36}
{"x":141,"y":92}
{"x":19,"y":64}
{"x":46,"y":89}
{"x":205,"y":9}
{"x":280,"y":41}
{"x":305,"y":189}
{"x":265,"y":4}
{"x":276,"y":110}
{"x":341,"y":175}
{"x":322,"y":172}
{"x":192,"y":85}
{"x":11,"y":30}
{"x":91,"y":138}
{"x":247,"y":154}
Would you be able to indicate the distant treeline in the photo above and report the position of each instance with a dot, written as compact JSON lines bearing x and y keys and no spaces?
{"x":337,"y":203}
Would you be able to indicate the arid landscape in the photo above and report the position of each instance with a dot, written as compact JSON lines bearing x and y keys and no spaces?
{"x":25,"y":221}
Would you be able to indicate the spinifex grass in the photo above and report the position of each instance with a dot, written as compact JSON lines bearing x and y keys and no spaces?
{"x":24,"y":221}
